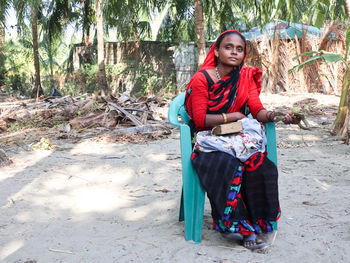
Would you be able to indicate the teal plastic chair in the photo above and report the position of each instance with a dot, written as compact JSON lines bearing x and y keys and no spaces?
{"x":192,"y":196}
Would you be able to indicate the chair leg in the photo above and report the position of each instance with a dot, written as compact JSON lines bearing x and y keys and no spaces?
{"x":194,"y":209}
{"x":181,"y":213}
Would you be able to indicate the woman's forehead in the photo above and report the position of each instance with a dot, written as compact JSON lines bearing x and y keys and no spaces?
{"x":233,"y":39}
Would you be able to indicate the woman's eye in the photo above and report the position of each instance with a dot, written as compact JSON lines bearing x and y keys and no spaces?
{"x":239,"y":49}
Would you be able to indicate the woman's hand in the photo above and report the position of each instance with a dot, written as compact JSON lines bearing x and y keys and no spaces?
{"x":235,"y":116}
{"x":290,"y":118}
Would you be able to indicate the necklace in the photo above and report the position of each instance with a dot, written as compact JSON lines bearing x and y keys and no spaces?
{"x":217,"y":73}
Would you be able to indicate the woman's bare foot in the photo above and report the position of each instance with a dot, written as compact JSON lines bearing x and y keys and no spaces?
{"x":252,"y":242}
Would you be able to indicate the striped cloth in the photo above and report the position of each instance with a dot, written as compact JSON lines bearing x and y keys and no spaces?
{"x":243,"y":196}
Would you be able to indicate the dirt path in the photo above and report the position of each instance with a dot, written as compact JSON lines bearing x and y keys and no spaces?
{"x":106,"y":201}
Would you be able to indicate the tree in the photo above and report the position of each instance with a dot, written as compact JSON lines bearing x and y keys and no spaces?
{"x":56,"y":14}
{"x":37,"y":91}
{"x":199,"y":21}
{"x":4,"y":5}
{"x":131,"y":18}
{"x":100,"y":49}
{"x":87,"y":16}
{"x":29,"y":9}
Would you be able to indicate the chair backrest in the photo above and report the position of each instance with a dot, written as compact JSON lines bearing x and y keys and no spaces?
{"x":177,"y":108}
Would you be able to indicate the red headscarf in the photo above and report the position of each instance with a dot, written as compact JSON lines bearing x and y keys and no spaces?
{"x":232,"y":91}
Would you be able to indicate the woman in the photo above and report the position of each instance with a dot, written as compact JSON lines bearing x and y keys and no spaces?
{"x":243,"y":192}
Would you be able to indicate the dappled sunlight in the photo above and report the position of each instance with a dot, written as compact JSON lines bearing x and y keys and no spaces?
{"x":77,"y":194}
{"x":157,"y":157}
{"x":150,"y":209}
{"x":24,"y":216}
{"x":93,"y":199}
{"x":303,"y":137}
{"x":10,"y":248}
{"x":26,"y":160}
{"x":91,"y":147}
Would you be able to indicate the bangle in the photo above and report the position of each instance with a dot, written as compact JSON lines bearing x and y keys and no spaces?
{"x":224,"y":116}
{"x":269,"y":114}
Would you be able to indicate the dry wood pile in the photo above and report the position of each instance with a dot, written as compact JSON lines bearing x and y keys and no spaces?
{"x":113,"y":115}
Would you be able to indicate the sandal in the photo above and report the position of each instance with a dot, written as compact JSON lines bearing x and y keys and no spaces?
{"x":253,"y":241}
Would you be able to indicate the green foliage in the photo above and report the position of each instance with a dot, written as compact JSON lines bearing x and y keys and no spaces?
{"x":148,"y":81}
{"x":347,"y":43}
{"x":81,"y":81}
{"x":320,"y":55}
{"x":145,"y":80}
{"x":18,"y":68}
{"x":24,"y":124}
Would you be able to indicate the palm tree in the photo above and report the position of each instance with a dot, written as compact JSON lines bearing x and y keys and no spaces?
{"x":131,"y":18}
{"x":29,"y":9}
{"x":37,"y":91}
{"x":4,"y":5}
{"x":100,"y":48}
{"x":87,"y":17}
{"x":200,"y":35}
{"x":56,"y":15}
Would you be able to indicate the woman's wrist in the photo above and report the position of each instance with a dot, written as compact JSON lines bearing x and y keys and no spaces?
{"x":270,"y":116}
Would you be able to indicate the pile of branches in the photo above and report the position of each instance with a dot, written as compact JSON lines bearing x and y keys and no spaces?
{"x":124,"y":114}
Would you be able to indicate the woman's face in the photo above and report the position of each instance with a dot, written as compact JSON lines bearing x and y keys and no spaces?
{"x":231,"y":50}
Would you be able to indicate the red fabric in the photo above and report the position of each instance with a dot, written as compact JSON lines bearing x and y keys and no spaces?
{"x":248,"y":90}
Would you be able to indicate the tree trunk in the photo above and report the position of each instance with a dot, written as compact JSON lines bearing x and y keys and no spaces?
{"x":346,"y":130}
{"x":347,"y":7}
{"x":200,"y":36}
{"x":2,"y":36}
{"x":100,"y":49}
{"x":2,"y":56}
{"x":341,"y":124}
{"x":86,"y":22}
{"x":37,"y":91}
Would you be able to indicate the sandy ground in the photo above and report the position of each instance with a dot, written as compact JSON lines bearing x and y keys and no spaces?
{"x":105,"y":201}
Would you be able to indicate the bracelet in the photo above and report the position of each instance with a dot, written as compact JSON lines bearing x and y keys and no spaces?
{"x":271,"y":118}
{"x":268,"y":115}
{"x":224,"y":116}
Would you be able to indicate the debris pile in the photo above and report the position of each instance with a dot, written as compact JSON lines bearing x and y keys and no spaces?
{"x":112,"y":115}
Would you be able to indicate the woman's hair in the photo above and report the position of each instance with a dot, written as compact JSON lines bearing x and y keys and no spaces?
{"x":218,"y":41}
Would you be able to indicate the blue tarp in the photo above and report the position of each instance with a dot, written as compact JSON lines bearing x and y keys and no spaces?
{"x":285,"y":30}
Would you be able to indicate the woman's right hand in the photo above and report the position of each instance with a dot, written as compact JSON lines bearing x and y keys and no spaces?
{"x":235,"y":116}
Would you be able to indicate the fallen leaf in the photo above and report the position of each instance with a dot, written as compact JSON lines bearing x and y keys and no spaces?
{"x":162,"y":190}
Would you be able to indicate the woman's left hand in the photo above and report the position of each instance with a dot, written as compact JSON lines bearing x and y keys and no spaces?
{"x":290,"y":118}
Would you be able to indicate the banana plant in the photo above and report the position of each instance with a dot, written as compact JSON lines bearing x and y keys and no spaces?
{"x":341,"y":124}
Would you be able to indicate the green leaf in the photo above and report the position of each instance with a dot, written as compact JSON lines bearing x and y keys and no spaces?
{"x":347,"y":43}
{"x":331,"y":57}
{"x":306,"y":62}
{"x":320,"y":17}
{"x":322,"y":10}
{"x":308,"y":53}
